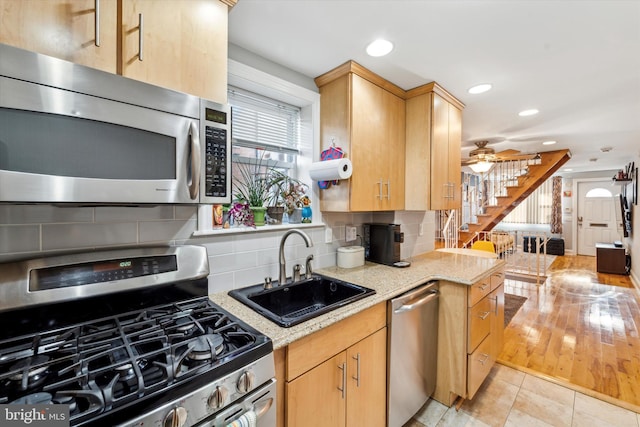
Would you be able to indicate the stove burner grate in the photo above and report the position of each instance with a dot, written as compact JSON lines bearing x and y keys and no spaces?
{"x":206,"y":347}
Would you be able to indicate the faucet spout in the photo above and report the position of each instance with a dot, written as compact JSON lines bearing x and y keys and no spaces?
{"x":282,"y":277}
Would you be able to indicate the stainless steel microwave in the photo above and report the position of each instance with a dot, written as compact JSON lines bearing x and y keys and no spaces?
{"x":73,"y":134}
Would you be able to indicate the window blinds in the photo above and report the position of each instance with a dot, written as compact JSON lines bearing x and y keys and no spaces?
{"x":263,"y":125}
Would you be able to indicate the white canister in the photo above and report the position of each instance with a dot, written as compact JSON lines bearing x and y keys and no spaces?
{"x":350,"y":256}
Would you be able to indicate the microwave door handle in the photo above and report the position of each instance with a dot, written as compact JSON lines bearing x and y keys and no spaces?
{"x":194,"y":139}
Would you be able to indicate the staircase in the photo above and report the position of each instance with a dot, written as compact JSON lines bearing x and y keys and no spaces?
{"x":508,"y":184}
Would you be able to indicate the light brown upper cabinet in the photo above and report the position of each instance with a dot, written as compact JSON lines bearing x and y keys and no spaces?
{"x":433,"y":140}
{"x":175,"y":44}
{"x":364,"y":115}
{"x":80,"y":31}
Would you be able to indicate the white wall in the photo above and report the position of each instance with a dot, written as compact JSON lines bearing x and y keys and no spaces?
{"x":633,"y":242}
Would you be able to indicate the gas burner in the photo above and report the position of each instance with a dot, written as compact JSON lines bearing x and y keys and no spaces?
{"x":205,"y":347}
{"x":185,"y":325}
{"x":34,"y":399}
{"x":67,"y":400}
{"x":125,"y":372}
{"x":30,"y":376}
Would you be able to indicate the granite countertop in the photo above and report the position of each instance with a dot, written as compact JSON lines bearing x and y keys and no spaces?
{"x":388,"y":282}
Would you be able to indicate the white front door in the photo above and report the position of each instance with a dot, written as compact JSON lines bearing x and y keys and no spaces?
{"x":596,"y":216}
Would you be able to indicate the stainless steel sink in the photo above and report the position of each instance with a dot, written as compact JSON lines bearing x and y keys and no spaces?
{"x":295,"y":303}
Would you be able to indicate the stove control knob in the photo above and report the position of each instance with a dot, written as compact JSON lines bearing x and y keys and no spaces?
{"x":246,"y":381}
{"x":177,"y":417}
{"x":217,"y":398}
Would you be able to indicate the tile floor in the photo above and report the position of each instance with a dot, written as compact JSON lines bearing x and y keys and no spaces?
{"x":512,"y":398}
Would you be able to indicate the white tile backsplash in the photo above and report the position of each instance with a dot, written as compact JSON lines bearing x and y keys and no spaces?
{"x":165,"y":231}
{"x":121,"y":214}
{"x":36,"y":214}
{"x":236,"y":260}
{"x":19,"y":238}
{"x":81,"y":235}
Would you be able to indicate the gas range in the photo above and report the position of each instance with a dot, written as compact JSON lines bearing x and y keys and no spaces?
{"x":124,"y":341}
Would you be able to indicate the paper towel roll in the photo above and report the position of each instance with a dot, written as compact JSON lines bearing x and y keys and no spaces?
{"x":331,"y":169}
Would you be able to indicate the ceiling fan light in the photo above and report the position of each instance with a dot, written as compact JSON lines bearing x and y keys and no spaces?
{"x":481,"y":88}
{"x":531,"y":112}
{"x":481,"y":167}
{"x":379,"y":47}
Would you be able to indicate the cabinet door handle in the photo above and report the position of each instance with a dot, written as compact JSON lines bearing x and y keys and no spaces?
{"x":97,"y":23}
{"x":140,"y":36}
{"x":380,"y":189}
{"x":484,"y":315}
{"x":496,"y":298}
{"x":388,"y":189}
{"x":485,"y":357}
{"x":343,"y":367}
{"x":357,"y":377}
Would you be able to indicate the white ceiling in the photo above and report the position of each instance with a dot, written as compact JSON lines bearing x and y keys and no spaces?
{"x":577,"y":61}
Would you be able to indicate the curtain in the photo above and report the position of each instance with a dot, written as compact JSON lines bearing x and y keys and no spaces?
{"x":556,"y":206}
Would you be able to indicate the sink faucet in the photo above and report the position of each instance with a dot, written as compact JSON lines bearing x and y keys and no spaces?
{"x":282,"y":277}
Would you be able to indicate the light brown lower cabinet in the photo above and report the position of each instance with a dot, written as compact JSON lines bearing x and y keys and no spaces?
{"x":471,"y":328}
{"x":337,"y":376}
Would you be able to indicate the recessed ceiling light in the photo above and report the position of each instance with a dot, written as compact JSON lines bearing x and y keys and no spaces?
{"x":568,"y":170}
{"x":531,"y":112}
{"x":548,"y":142}
{"x":481,"y":88}
{"x":379,"y":47}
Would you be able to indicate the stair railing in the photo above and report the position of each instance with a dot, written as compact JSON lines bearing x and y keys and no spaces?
{"x":480,"y":191}
{"x":450,"y":230}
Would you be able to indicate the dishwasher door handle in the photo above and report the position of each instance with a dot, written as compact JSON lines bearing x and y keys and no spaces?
{"x":414,"y":301}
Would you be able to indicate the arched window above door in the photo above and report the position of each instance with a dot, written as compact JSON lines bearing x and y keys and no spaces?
{"x":599,"y":192}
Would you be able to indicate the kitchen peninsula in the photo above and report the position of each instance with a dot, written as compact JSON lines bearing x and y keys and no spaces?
{"x":467,"y":283}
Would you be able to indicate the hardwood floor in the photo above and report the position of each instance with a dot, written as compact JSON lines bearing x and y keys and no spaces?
{"x":579,"y":329}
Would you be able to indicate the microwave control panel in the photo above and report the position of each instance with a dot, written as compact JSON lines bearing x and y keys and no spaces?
{"x":215,"y":162}
{"x":215,"y":187}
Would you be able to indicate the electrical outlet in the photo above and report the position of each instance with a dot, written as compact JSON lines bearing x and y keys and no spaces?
{"x":420,"y":230}
{"x":350,"y":234}
{"x":328,"y":235}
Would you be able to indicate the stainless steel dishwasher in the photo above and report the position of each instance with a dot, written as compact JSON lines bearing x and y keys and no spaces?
{"x":413,"y":341}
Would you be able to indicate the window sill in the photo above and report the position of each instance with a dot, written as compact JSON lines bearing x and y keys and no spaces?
{"x":244,"y":230}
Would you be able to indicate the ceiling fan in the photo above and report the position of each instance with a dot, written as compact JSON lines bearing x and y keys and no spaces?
{"x":481,"y":159}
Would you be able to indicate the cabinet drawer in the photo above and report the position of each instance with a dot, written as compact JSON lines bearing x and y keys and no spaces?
{"x":497,"y":279}
{"x":479,"y":290}
{"x":479,"y":323}
{"x":479,"y":364}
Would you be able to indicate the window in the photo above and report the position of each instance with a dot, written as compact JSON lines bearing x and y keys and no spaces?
{"x":535,"y":209}
{"x":599,"y":192}
{"x":264,"y":130}
{"x":265,"y":142}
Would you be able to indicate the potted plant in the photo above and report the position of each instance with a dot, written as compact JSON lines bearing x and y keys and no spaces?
{"x":285,"y":196}
{"x":241,"y":214}
{"x":252,"y":188}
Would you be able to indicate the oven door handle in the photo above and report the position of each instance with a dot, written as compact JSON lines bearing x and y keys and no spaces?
{"x":260,"y":408}
{"x":194,"y":140}
{"x":263,"y":407}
